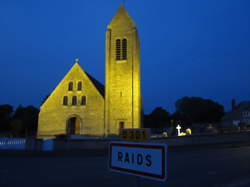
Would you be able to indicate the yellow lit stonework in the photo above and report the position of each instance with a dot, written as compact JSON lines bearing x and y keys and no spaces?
{"x":70,"y":110}
{"x":123,"y":92}
{"x":53,"y":116}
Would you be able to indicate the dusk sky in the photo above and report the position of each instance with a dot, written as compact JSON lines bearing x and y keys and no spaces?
{"x":188,"y":47}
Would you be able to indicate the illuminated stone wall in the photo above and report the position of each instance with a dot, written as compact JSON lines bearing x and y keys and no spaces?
{"x":123,"y":97}
{"x":53,"y":115}
{"x":122,"y":94}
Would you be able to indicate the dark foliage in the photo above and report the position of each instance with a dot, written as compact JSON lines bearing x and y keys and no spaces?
{"x":198,"y":110}
{"x":22,"y":123}
{"x":5,"y":117}
{"x":159,"y":118}
{"x":25,"y":121}
{"x":180,"y":119}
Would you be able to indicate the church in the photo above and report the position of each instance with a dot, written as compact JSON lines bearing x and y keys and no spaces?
{"x":81,"y":105}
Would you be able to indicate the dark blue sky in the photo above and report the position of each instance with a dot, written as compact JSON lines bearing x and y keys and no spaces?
{"x":188,"y":47}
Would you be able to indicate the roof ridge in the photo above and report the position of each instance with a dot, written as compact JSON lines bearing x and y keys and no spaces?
{"x":100,"y":87}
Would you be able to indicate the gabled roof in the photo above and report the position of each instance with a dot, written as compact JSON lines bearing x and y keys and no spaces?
{"x":237,"y":112}
{"x":74,"y":72}
{"x":244,"y":106}
{"x":99,"y":86}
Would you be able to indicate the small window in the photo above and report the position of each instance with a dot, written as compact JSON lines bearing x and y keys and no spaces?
{"x":118,"y":49}
{"x":65,"y":100}
{"x":79,"y":86}
{"x":70,"y":86}
{"x":124,"y":49}
{"x":83,"y":101}
{"x":74,"y":100}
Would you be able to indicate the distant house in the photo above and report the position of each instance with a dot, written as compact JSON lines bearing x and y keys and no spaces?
{"x":239,"y":114}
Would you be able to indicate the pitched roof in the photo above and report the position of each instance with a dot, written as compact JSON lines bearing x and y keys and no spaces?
{"x":243,"y":106}
{"x":99,"y":86}
{"x":237,"y":112}
{"x":76,"y":67}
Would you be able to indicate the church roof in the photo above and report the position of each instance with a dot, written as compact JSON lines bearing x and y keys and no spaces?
{"x":99,"y":86}
{"x":76,"y":73}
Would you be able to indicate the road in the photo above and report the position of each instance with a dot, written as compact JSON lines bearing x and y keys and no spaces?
{"x":201,"y":167}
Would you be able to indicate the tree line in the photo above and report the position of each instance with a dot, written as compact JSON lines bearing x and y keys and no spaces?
{"x":189,"y":110}
{"x":23,"y":121}
{"x":19,"y":123}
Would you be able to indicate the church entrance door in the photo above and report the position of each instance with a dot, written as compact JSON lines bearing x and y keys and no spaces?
{"x":121,"y":126}
{"x":73,"y":126}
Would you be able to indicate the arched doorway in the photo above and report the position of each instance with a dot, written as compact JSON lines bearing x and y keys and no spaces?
{"x":73,"y":125}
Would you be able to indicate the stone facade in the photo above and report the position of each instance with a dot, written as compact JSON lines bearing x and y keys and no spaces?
{"x":54,"y":113}
{"x":123,"y":96}
{"x":87,"y":110}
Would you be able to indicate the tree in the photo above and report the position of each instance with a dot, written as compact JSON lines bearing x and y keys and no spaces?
{"x":5,"y":117}
{"x":159,"y":118}
{"x":198,"y":110}
{"x":25,"y":121}
{"x":180,"y":119}
{"x":17,"y":127}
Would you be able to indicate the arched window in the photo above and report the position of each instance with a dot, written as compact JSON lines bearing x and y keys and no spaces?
{"x":65,"y":100}
{"x":83,"y":101}
{"x":124,"y":49}
{"x":79,"y":86}
{"x":118,"y":49}
{"x":74,"y":100}
{"x":70,"y":86}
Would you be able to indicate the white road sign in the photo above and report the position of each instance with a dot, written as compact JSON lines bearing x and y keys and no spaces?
{"x":148,"y":160}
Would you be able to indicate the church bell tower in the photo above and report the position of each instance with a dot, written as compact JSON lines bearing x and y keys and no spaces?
{"x":122,"y":77}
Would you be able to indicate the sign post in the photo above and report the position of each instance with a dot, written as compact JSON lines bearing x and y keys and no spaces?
{"x":146,"y":160}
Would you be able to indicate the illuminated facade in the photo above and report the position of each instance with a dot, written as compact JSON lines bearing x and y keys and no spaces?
{"x":78,"y":105}
{"x":123,"y":93}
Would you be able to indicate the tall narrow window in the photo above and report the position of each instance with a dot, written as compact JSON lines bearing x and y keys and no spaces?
{"x":83,"y":101}
{"x":70,"y":86}
{"x":74,"y":100}
{"x":79,"y":86}
{"x":118,"y":49}
{"x":124,"y":49}
{"x":65,"y":100}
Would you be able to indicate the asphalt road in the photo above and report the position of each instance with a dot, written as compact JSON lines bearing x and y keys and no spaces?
{"x":199,"y":166}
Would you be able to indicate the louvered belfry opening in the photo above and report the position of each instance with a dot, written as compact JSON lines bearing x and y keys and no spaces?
{"x":124,"y":49}
{"x":118,"y":49}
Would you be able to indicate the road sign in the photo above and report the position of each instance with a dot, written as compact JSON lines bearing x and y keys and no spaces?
{"x":140,"y":134}
{"x":147,"y":160}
